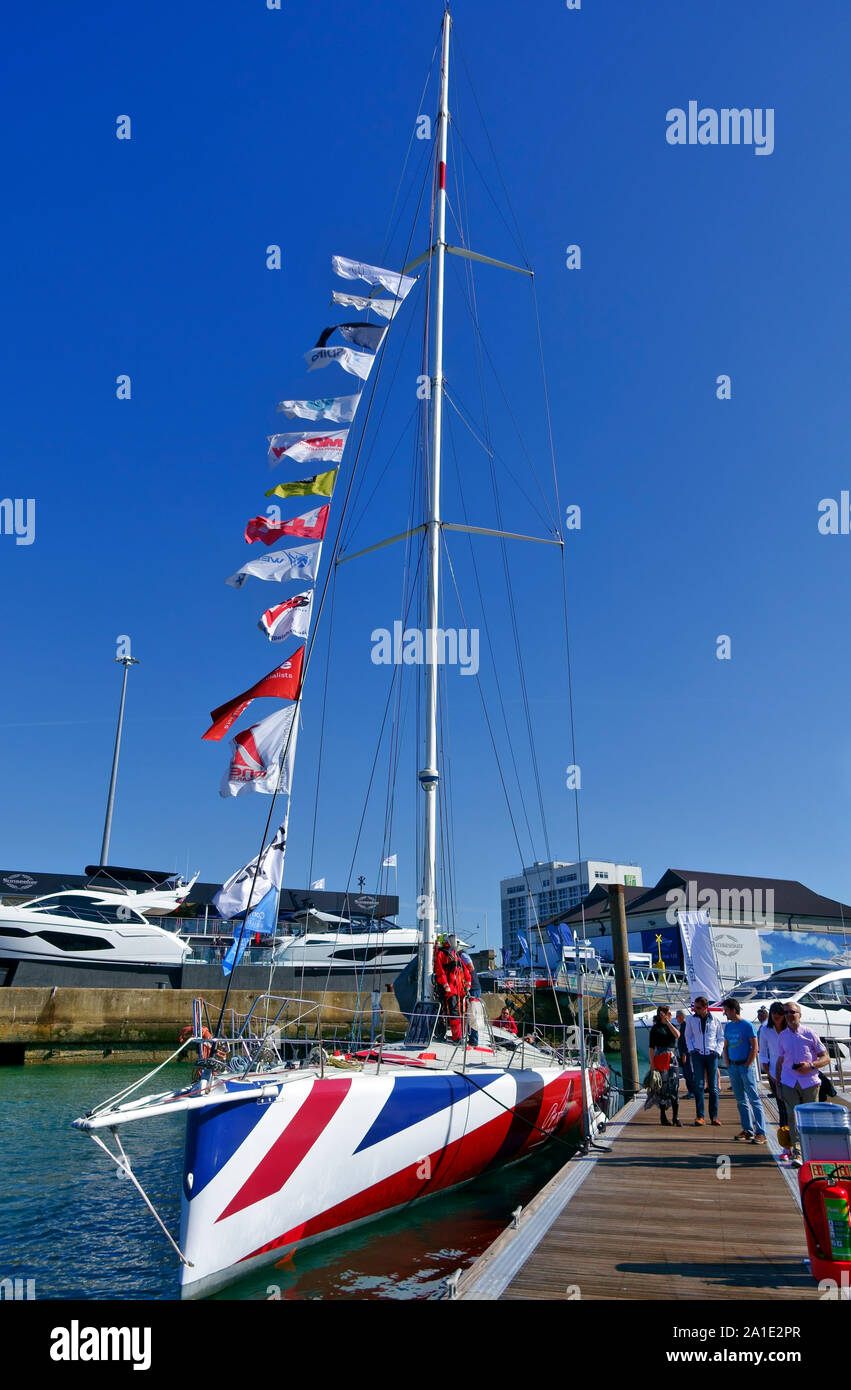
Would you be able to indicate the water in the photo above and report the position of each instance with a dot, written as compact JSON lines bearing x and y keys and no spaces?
{"x":70,"y":1222}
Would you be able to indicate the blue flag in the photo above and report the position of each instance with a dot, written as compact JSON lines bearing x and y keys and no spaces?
{"x":554,"y":933}
{"x":524,"y":945}
{"x":263,"y":918}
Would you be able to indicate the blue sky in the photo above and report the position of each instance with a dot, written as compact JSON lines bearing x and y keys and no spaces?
{"x":699,"y":517}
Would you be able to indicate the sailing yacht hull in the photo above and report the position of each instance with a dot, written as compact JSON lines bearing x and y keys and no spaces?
{"x":266,"y":1175}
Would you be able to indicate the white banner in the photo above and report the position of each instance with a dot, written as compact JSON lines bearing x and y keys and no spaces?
{"x":232,"y":897}
{"x":358,"y":363}
{"x":300,"y":563}
{"x":701,"y":970}
{"x":256,"y":755}
{"x":392,"y":280}
{"x":307,"y":448}
{"x":385,"y":308}
{"x":290,"y":619}
{"x":336,"y":408}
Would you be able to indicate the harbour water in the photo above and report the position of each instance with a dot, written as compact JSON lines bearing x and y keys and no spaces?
{"x":75,"y":1226}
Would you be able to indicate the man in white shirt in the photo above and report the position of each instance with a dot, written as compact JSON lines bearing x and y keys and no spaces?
{"x":705,"y":1042}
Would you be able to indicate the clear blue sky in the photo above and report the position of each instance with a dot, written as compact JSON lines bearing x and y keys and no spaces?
{"x":147,"y":257}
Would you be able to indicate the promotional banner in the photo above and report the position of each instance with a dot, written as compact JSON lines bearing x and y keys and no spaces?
{"x":256,"y":755}
{"x":301,"y":563}
{"x":284,"y":683}
{"x":232,"y":897}
{"x":319,"y":485}
{"x":307,"y":448}
{"x":358,"y":363}
{"x":698,"y":956}
{"x":337,"y":408}
{"x":289,"y":619}
{"x":360,"y":335}
{"x":391,"y":280}
{"x":385,"y":308}
{"x":310,"y":526}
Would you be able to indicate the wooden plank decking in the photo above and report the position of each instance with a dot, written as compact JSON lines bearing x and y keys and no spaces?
{"x":653,"y":1220}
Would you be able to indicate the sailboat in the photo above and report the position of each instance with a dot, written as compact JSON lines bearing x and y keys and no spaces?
{"x":290,"y":1138}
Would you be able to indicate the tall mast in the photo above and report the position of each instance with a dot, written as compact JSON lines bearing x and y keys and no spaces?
{"x":429,"y":774}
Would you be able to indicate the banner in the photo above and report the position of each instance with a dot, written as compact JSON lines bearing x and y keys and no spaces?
{"x":301,"y":563}
{"x":256,"y":755}
{"x":391,"y":862}
{"x":232,"y":897}
{"x":319,"y":885}
{"x":385,"y":308}
{"x":284,"y":683}
{"x":358,"y":363}
{"x":392,"y":280}
{"x":263,"y":919}
{"x":335,"y":408}
{"x":289,"y":619}
{"x":310,"y":526}
{"x":523,"y":946}
{"x":698,"y":956}
{"x":360,"y":335}
{"x":307,"y":448}
{"x":319,"y":485}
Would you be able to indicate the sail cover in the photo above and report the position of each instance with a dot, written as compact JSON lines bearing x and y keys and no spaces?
{"x":335,"y":408}
{"x":392,"y":280}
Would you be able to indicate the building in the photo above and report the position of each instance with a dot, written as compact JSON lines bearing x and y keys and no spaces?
{"x":542,"y":891}
{"x":758,"y":924}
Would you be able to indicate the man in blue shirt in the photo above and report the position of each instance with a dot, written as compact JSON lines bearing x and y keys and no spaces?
{"x":740,"y":1049}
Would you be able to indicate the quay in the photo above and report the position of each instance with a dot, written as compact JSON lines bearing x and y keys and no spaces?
{"x":662,"y":1214}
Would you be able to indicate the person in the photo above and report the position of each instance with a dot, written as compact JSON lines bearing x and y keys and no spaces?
{"x":663,"y":1041}
{"x":452,"y":979}
{"x":475,"y":987}
{"x":768,"y":1036}
{"x":800,"y":1053}
{"x":683,"y":1056}
{"x":506,"y":1021}
{"x":740,"y":1050}
{"x":705,"y":1041}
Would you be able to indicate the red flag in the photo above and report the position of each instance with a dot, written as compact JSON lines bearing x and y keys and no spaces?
{"x":310,"y":526}
{"x":284,"y":683}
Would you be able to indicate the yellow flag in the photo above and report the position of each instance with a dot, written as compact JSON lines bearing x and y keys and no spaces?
{"x":320,"y":485}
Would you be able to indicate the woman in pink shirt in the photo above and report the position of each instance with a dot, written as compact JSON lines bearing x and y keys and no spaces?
{"x":800,"y":1053}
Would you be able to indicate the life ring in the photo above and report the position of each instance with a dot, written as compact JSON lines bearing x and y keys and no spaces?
{"x":207,"y":1045}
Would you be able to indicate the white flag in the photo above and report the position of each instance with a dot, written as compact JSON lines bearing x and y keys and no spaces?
{"x":319,"y":884}
{"x":300,"y":563}
{"x":392,"y":280}
{"x":698,"y":955}
{"x":386,"y":308}
{"x":289,"y":619}
{"x":389,"y":863}
{"x":335,"y":408}
{"x":307,"y":448}
{"x":256,"y":755}
{"x":358,"y":363}
{"x":232,"y":897}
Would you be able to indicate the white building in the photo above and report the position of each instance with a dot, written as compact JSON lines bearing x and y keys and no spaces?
{"x":543,"y":890}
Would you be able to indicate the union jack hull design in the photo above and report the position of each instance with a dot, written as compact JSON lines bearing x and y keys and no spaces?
{"x":268,"y":1173}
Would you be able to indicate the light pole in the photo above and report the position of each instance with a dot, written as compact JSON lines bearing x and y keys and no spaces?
{"x":126,"y":662}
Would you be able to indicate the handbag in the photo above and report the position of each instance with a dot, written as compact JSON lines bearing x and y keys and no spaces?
{"x":662,"y":1061}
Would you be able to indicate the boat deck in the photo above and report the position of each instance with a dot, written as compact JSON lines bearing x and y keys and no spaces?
{"x":652,"y":1218}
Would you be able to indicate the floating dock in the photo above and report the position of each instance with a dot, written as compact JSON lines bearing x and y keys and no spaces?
{"x":665,"y":1213}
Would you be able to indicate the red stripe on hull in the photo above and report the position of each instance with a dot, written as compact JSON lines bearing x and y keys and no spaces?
{"x":449,"y":1166}
{"x":318,"y":1107}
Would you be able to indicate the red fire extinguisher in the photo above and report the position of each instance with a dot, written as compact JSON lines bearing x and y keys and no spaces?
{"x":826,"y":1204}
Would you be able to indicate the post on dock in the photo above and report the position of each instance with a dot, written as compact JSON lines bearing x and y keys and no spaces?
{"x":623,"y":991}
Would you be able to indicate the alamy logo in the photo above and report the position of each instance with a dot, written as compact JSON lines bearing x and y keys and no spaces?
{"x":729,"y":126}
{"x":17,"y":1289}
{"x":17,"y":518}
{"x":438,"y":646}
{"x":76,"y":1343}
{"x":730,"y":904}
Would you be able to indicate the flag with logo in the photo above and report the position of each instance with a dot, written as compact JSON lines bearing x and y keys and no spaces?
{"x":336,"y":408}
{"x":318,"y":884}
{"x":232,"y":898}
{"x":304,"y":447}
{"x":257,"y":754}
{"x":288,"y":619}
{"x":263,"y":920}
{"x":698,"y":955}
{"x":361,"y":335}
{"x":310,"y":526}
{"x":358,"y":363}
{"x":524,"y":948}
{"x":385,"y":308}
{"x":284,"y":683}
{"x":300,"y":563}
{"x":319,"y":485}
{"x":391,"y":862}
{"x":391,"y":280}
